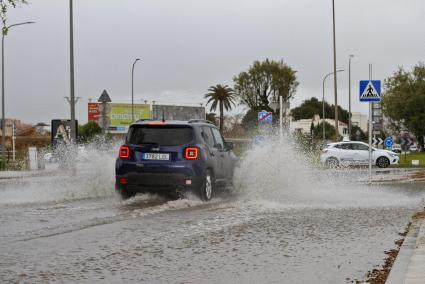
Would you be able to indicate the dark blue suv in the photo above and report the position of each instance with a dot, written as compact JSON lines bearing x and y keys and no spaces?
{"x":174,"y":157}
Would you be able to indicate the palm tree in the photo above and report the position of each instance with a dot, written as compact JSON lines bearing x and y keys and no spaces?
{"x":222,"y":96}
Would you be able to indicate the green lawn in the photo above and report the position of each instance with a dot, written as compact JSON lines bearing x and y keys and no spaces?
{"x":406,"y":160}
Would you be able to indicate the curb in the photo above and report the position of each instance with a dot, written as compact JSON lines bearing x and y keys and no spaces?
{"x":409,"y":266}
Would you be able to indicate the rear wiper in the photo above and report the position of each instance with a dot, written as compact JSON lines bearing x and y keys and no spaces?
{"x":150,"y":143}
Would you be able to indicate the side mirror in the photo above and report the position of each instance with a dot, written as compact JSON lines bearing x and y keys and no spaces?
{"x":229,"y":146}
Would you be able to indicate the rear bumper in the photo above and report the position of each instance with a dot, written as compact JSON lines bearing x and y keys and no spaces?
{"x":157,"y":182}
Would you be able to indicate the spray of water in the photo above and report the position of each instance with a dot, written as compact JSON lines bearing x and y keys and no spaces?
{"x":88,"y":174}
{"x":279,"y":174}
{"x":276,"y":174}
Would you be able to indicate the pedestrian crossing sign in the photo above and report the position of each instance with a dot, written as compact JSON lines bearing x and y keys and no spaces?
{"x":370,"y":91}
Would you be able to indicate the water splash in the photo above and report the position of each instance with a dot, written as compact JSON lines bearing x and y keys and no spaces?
{"x":92,"y":175}
{"x":279,"y":173}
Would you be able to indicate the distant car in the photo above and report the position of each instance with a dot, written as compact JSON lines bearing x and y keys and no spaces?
{"x":414,"y":148}
{"x":396,"y":148}
{"x":356,"y":153}
{"x":174,"y":157}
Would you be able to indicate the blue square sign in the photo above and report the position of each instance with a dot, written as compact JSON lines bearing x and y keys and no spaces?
{"x":370,"y":91}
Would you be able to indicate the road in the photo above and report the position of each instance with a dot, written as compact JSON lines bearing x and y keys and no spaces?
{"x":72,"y":228}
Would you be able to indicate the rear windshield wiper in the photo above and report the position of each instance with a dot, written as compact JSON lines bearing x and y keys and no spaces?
{"x":150,"y":143}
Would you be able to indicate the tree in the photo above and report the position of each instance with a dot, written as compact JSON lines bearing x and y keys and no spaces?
{"x":357,"y":134}
{"x":4,"y":7}
{"x":404,"y":100}
{"x":318,"y":131}
{"x":222,"y":96}
{"x":88,"y":131}
{"x":309,"y":108}
{"x":264,"y":82}
{"x":211,"y":117}
{"x":250,"y":120}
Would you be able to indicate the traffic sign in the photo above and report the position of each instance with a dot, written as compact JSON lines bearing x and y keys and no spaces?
{"x":388,"y":143}
{"x":377,"y":141}
{"x":265,"y":117}
{"x":370,"y":91}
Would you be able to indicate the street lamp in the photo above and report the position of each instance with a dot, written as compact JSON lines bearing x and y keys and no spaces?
{"x":323,"y":101}
{"x":335,"y":82}
{"x":132,"y":89}
{"x":3,"y":123}
{"x":349,"y":95}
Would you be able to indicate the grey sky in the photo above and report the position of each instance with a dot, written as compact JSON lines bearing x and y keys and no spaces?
{"x":188,"y":45}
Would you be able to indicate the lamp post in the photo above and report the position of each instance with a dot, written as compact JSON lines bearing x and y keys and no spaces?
{"x":349,"y":95}
{"x":71,"y":72}
{"x":335,"y":80}
{"x":132,"y":89}
{"x":3,"y":122}
{"x":323,"y":101}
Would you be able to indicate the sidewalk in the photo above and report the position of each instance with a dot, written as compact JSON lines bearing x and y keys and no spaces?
{"x":409,"y":267}
{"x":50,"y":169}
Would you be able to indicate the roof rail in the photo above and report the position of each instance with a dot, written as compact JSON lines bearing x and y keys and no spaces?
{"x":200,"y":120}
{"x":143,"y":119}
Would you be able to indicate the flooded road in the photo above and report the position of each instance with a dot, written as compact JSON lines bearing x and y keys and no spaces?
{"x":291,"y":224}
{"x":231,"y":240}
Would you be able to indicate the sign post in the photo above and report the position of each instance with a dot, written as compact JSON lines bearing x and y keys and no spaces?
{"x":370,"y":91}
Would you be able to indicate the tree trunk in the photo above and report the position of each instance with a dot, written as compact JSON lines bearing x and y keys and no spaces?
{"x":421,"y":142}
{"x":221,"y":116}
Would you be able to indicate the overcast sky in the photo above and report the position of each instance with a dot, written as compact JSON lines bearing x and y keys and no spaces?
{"x":188,"y":45}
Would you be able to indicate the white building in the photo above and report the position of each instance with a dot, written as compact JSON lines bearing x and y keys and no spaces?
{"x":359,"y":119}
{"x":304,"y":125}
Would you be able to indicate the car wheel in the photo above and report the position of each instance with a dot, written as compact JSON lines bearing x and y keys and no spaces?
{"x":383,"y":162}
{"x":207,"y":187}
{"x":332,"y":162}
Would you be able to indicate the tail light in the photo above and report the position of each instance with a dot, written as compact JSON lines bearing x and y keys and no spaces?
{"x":324,"y":151}
{"x":123,"y":181}
{"x":124,"y":152}
{"x":191,"y":153}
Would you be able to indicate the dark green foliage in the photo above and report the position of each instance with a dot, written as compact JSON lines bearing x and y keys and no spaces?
{"x":211,"y":117}
{"x":361,"y":137}
{"x":222,"y":96}
{"x":88,"y":131}
{"x":404,"y":100}
{"x":318,"y":131}
{"x":249,"y":121}
{"x":264,"y":82}
{"x":313,"y":106}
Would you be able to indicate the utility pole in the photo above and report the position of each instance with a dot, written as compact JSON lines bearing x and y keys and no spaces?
{"x":71,"y":59}
{"x":349,"y":96}
{"x":335,"y":77}
{"x":132,"y":89}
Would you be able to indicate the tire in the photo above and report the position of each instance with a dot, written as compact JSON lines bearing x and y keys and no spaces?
{"x":123,"y":193}
{"x":126,"y":195}
{"x":332,"y":162}
{"x":206,"y":191}
{"x":383,"y":162}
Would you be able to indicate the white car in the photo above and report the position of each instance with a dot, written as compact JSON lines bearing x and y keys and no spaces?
{"x":356,"y":153}
{"x":396,"y":148}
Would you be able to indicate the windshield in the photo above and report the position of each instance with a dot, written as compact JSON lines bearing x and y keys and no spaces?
{"x":160,"y":135}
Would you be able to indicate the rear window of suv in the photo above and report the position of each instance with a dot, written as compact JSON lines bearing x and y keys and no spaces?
{"x":169,"y":135}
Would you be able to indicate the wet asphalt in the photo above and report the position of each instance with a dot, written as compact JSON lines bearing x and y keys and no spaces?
{"x":67,"y":235}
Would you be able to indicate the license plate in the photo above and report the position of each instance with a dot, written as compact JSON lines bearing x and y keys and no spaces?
{"x":156,"y":156}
